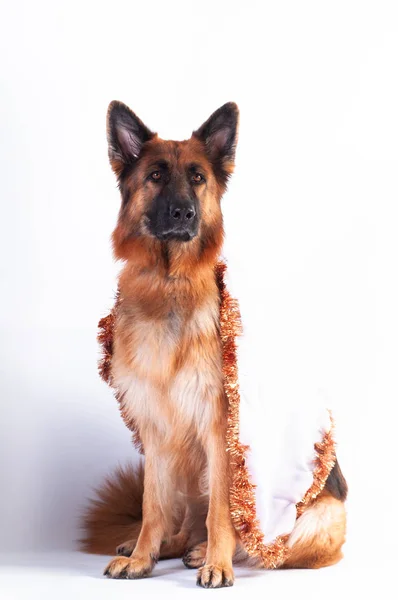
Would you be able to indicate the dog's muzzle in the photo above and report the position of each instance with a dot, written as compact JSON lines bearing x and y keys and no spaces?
{"x":174,"y":219}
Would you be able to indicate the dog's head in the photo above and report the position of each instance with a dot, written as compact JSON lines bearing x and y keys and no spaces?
{"x":171,"y":190}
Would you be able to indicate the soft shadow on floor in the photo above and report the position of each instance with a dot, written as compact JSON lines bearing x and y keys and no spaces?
{"x":77,"y":564}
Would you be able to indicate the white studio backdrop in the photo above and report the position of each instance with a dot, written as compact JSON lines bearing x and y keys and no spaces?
{"x":311,"y":217}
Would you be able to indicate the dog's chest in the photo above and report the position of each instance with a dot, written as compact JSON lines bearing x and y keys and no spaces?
{"x":173,"y":369}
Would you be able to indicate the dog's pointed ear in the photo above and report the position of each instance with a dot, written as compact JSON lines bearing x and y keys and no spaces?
{"x":220,"y":135}
{"x":126,"y":136}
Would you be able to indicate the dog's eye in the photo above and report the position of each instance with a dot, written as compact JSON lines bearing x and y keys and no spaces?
{"x":197,"y":178}
{"x":156,"y":176}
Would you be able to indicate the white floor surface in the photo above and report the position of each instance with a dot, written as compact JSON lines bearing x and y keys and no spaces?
{"x":75,"y":576}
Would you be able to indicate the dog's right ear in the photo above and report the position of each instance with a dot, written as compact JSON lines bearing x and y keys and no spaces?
{"x":126,"y":136}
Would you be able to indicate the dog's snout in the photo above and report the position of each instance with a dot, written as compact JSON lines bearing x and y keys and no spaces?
{"x":174,"y":217}
{"x":182,"y":213}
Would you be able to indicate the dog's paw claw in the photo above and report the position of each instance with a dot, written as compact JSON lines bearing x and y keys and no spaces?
{"x":125,"y":549}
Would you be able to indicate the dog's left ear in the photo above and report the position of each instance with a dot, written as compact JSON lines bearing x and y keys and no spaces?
{"x":220,"y":135}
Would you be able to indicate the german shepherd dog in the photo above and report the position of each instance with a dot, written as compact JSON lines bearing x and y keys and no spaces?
{"x":167,"y":363}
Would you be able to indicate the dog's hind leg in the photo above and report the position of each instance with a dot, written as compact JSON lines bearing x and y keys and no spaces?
{"x":193,"y":527}
{"x":189,"y":524}
{"x":172,"y":548}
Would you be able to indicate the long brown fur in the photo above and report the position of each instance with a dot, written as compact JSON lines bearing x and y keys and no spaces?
{"x":115,"y":514}
{"x":166,"y":363}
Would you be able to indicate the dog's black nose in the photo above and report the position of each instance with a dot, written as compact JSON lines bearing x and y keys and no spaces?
{"x":182,"y":212}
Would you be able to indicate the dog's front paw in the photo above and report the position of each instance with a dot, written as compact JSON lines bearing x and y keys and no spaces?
{"x":129,"y":568}
{"x":213,"y":576}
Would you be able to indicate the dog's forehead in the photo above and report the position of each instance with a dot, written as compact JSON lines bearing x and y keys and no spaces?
{"x":175,"y":153}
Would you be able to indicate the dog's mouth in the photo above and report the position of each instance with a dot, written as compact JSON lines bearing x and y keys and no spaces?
{"x":177,"y":232}
{"x":178,"y":236}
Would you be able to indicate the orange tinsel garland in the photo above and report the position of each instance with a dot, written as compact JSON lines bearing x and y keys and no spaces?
{"x":105,"y":338}
{"x":242,"y":493}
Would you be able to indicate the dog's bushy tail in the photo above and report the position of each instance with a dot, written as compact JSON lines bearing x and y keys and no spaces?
{"x":115,"y":515}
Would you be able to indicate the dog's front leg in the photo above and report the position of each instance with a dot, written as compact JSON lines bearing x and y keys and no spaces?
{"x":217,"y":570}
{"x":156,"y":521}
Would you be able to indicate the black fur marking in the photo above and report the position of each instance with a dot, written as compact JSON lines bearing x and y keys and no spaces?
{"x":336,"y":484}
{"x":154,"y":557}
{"x":164,"y":248}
